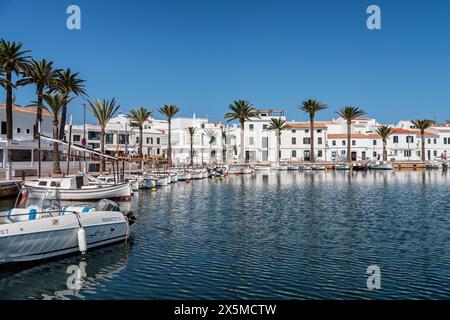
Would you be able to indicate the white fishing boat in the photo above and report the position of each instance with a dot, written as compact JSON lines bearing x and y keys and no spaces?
{"x":196,"y":175}
{"x":78,"y":188}
{"x":39,"y":228}
{"x":318,"y":167}
{"x":184,"y":176}
{"x":341,"y":166}
{"x":381,"y":165}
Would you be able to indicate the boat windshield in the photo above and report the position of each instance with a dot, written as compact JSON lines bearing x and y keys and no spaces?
{"x":42,"y":199}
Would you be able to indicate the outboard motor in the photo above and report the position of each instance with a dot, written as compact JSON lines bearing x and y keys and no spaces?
{"x":131,"y":218}
{"x":107,"y":205}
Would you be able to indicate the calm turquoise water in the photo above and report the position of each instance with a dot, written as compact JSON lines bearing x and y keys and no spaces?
{"x":269,"y":236}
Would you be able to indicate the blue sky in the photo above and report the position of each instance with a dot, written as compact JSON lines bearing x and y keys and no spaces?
{"x":202,"y":55}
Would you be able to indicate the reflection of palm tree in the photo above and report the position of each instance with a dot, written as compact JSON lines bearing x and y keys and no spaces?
{"x":350,"y":114}
{"x":103,"y":111}
{"x":384,"y":132}
{"x":278,"y":125}
{"x":191,"y":131}
{"x":211,"y":134}
{"x":55,"y":104}
{"x":311,"y":107}
{"x":423,"y":125}
{"x":242,"y":110}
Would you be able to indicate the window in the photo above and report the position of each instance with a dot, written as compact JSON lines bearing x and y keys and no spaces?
{"x":343,"y":152}
{"x":158,"y":140}
{"x":251,"y":127}
{"x":435,"y":141}
{"x":148,"y":140}
{"x":375,"y":154}
{"x":374,"y":142}
{"x":435,"y":153}
{"x":294,"y":140}
{"x":344,"y":142}
{"x":265,"y":126}
{"x":294,"y":154}
{"x":42,"y":183}
{"x":28,"y":131}
{"x":3,"y":127}
{"x":409,"y":139}
{"x":76,"y":138}
{"x":251,"y":141}
{"x":445,"y":140}
{"x":319,"y":130}
{"x":18,"y":130}
{"x":109,"y":138}
{"x":265,"y":143}
{"x":158,"y":151}
{"x":319,"y":141}
{"x":137,"y":139}
{"x":93,"y":135}
{"x":306,"y":131}
{"x":395,"y":139}
{"x":429,"y":141}
{"x":294,"y":131}
{"x":306,"y":140}
{"x":407,"y":153}
{"x":333,"y":142}
{"x":319,"y":153}
{"x":353,"y":142}
{"x":123,"y":139}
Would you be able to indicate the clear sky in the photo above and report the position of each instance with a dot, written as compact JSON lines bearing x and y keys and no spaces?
{"x":203,"y":54}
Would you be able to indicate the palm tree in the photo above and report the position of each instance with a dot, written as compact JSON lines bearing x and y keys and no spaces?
{"x":311,"y":107}
{"x":103,"y":111}
{"x":169,"y":112}
{"x":191,"y":131}
{"x":54,"y":104}
{"x":423,"y":125}
{"x":42,"y":74}
{"x":140,"y":116}
{"x":68,"y":83}
{"x":278,"y":125}
{"x":13,"y":60}
{"x":384,"y":132}
{"x":211,"y":134}
{"x":350,"y":114}
{"x":241,"y":110}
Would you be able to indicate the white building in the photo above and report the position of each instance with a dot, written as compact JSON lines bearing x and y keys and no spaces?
{"x":209,"y":145}
{"x":24,"y":148}
{"x":122,"y":136}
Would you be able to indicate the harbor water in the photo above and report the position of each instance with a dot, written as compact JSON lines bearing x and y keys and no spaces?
{"x":274,"y":235}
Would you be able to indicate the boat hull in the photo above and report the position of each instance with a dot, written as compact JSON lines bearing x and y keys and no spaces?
{"x":57,"y":236}
{"x":120,"y":192}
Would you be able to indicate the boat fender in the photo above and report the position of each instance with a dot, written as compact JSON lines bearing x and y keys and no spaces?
{"x":33,"y":214}
{"x":82,"y":245}
{"x":86,"y":210}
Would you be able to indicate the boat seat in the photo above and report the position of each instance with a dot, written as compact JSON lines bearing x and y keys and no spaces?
{"x":75,"y":209}
{"x":21,"y":215}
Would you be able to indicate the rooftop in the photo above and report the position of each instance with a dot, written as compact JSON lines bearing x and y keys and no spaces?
{"x":17,"y":108}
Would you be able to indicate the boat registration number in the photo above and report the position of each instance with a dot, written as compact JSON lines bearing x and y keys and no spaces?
{"x":4,"y":232}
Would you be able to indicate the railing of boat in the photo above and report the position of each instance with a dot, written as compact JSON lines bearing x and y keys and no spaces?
{"x":51,"y":213}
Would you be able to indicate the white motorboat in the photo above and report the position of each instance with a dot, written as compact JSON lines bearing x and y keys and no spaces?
{"x":184,"y":176}
{"x":39,"y":228}
{"x":196,"y":175}
{"x":304,"y":167}
{"x":205,"y":174}
{"x":293,"y":168}
{"x":341,"y":166}
{"x":262,"y":168}
{"x":234,"y":170}
{"x":247,"y":170}
{"x":77,"y":188}
{"x":173,"y":177}
{"x":280,"y":168}
{"x":163,"y":180}
{"x":434,"y":165}
{"x":318,"y":167}
{"x":380,"y":165}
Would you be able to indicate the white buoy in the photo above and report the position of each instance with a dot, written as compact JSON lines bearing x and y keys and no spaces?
{"x":82,"y":245}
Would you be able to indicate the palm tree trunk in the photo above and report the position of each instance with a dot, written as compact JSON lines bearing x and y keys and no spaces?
{"x":192,"y":152}
{"x":422,"y":137}
{"x":62,"y":126}
{"x":313,"y":159}
{"x":278,"y":146}
{"x":169,"y":143}
{"x":102,"y":150}
{"x":40,"y":90}
{"x":349,"y":137}
{"x":242,"y":155}
{"x":9,"y":112}
{"x":141,"y":154}
{"x":55,"y":154}
{"x":384,"y":150}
